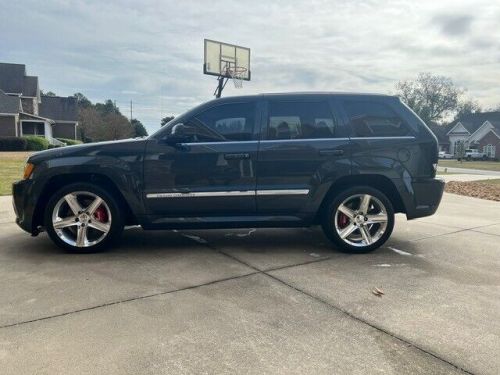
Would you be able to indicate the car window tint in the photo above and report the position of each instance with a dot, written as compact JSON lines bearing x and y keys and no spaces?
{"x":226,"y":122}
{"x":300,"y":120}
{"x":374,"y":119}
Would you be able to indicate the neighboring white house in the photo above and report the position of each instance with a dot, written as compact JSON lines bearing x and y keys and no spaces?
{"x":479,"y":131}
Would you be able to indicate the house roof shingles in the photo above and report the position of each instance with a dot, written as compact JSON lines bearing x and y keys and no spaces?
{"x":440,"y":132}
{"x":12,"y":77}
{"x":9,"y":104}
{"x":59,"y":108}
{"x":30,"y":86}
{"x":473,"y":121}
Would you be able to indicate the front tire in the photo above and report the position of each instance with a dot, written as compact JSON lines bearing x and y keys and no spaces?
{"x":83,"y":218}
{"x":358,"y":219}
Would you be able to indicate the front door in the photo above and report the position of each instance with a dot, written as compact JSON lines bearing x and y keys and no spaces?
{"x":213,"y":173}
{"x":304,"y":150}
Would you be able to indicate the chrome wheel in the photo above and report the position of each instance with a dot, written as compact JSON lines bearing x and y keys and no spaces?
{"x":81,"y":219}
{"x":361,"y":220}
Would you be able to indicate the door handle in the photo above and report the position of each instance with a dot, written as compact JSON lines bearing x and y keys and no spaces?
{"x":331,"y":152}
{"x":236,"y":156}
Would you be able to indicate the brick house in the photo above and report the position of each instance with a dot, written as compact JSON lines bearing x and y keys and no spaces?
{"x":490,"y":143}
{"x":24,"y":111}
{"x":479,"y":131}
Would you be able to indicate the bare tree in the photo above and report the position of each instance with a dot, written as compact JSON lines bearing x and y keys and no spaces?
{"x":432,"y":97}
{"x":89,"y":122}
{"x":467,"y":107}
{"x":115,"y":126}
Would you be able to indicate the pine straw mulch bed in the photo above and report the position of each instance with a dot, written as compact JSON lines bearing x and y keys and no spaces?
{"x":475,"y":189}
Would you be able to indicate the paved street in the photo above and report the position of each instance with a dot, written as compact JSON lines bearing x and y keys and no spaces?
{"x":469,"y":171}
{"x":257,"y":301}
{"x":467,"y":177}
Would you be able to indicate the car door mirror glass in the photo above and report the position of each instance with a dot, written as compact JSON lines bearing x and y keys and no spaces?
{"x":180,"y":133}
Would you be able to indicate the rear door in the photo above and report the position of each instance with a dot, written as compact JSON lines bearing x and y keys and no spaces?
{"x":213,"y":174}
{"x":304,"y":148}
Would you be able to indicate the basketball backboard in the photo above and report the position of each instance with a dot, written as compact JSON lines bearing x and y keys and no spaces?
{"x":226,"y":60}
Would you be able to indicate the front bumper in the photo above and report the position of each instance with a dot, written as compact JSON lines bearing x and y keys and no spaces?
{"x":425,"y":197}
{"x":23,"y":205}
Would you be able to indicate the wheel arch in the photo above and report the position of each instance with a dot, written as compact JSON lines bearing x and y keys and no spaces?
{"x":379,"y":182}
{"x":58,"y":181}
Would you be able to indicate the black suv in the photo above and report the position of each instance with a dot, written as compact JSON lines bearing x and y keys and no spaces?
{"x":345,"y":161}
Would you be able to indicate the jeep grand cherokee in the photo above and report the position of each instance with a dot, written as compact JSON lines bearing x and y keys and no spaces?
{"x":347,"y":162}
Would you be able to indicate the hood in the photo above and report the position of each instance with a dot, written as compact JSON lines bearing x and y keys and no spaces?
{"x":88,"y":149}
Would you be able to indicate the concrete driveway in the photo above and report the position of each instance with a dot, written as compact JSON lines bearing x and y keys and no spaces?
{"x":257,"y":301}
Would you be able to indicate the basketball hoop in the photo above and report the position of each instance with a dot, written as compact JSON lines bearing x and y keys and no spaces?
{"x":237,"y":73}
{"x":226,"y":61}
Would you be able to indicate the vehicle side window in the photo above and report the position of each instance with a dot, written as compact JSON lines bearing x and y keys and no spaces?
{"x":226,"y":122}
{"x":300,"y":120}
{"x":374,"y":119}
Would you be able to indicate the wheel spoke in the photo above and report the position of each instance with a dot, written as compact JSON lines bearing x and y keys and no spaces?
{"x":102,"y":227}
{"x":94,"y":205}
{"x":347,"y":231}
{"x":364,"y":204}
{"x":374,"y":219}
{"x":346,"y":211}
{"x":64,"y":223}
{"x":366,"y":235}
{"x":81,"y":236}
{"x":73,"y":203}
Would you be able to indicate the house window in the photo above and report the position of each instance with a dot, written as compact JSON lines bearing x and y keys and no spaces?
{"x":489,"y":150}
{"x":33,"y":128}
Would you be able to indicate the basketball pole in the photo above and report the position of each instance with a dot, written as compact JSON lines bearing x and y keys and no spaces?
{"x":220,"y":86}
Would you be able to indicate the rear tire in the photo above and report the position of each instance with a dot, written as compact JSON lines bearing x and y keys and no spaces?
{"x":358,"y":219}
{"x":83,"y":218}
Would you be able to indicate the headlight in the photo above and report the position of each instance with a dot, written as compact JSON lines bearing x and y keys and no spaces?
{"x":28,"y":170}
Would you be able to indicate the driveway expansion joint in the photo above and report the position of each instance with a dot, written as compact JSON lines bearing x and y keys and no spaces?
{"x":132,"y":299}
{"x":337,"y":308}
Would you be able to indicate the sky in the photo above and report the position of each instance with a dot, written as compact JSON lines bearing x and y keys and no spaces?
{"x":151,"y":52}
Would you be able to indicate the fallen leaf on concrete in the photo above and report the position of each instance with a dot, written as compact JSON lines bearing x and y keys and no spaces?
{"x":378,"y":292}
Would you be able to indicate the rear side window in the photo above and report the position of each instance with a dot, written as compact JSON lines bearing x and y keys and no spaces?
{"x":300,"y":120}
{"x":227,"y":122}
{"x":374,"y":119}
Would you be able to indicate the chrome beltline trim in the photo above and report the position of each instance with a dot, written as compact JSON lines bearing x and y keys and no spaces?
{"x":202,"y":194}
{"x":283,"y":192}
{"x":303,"y":140}
{"x":242,"y":193}
{"x":398,"y":137}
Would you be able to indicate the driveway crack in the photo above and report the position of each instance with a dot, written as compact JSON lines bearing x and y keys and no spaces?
{"x":338,"y":308}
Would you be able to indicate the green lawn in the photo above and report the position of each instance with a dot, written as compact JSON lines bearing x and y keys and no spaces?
{"x":483,"y":165}
{"x":11,"y":169}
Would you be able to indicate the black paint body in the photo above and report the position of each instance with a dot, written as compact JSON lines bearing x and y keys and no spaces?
{"x":402,"y":167}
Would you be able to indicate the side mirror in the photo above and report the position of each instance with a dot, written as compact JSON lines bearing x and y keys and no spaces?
{"x":180,"y":134}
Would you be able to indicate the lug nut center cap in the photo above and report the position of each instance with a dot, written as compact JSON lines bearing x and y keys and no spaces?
{"x":360,"y":219}
{"x":84,"y":218}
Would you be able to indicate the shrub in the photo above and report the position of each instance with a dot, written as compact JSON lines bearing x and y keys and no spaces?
{"x":12,"y":144}
{"x":69,"y":142}
{"x":35,"y":143}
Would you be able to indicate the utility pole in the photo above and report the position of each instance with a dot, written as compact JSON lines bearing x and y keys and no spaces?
{"x":130,"y":110}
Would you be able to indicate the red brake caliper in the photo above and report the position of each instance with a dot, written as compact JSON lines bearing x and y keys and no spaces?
{"x":343,"y":220}
{"x":101,"y":215}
